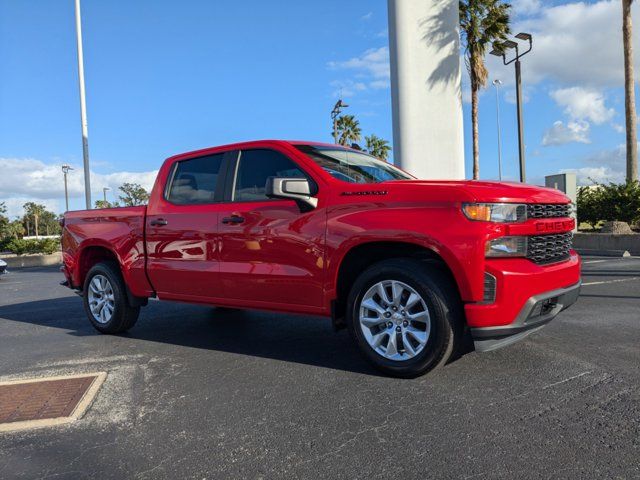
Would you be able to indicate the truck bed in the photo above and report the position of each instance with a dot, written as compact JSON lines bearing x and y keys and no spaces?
{"x":121,"y":229}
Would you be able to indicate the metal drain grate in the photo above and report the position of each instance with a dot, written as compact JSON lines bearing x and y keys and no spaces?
{"x":46,"y":401}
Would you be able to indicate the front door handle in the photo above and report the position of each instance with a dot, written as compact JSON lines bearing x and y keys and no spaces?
{"x":160,"y":222}
{"x":233,"y":219}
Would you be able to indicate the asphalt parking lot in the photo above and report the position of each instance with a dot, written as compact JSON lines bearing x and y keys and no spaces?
{"x":195,"y":392}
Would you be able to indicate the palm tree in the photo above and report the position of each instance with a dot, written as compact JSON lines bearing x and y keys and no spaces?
{"x":37,"y":212}
{"x":348,"y":129}
{"x":630,"y":94}
{"x":15,"y":229}
{"x":378,"y":147}
{"x":34,"y":210}
{"x":482,"y":22}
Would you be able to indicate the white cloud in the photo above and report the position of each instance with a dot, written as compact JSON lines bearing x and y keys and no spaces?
{"x":371,"y":70}
{"x":374,"y":61}
{"x":603,"y":166}
{"x":525,"y":7}
{"x":561,"y":134}
{"x":615,"y":158}
{"x":589,"y":175}
{"x":347,"y":88}
{"x":380,"y":84}
{"x":27,"y":179}
{"x":582,"y":103}
{"x":618,"y":128}
{"x":367,"y":16}
{"x":383,"y":33}
{"x":510,"y":95}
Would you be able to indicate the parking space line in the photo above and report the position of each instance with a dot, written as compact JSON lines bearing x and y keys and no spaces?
{"x":611,"y":281}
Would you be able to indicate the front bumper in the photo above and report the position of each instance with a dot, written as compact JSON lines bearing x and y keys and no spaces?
{"x":527,"y":296}
{"x":536,"y":313}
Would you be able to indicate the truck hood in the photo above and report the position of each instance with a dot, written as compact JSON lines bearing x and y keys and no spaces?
{"x":479,"y":191}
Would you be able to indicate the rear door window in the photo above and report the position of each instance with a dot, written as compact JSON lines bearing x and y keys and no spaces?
{"x":195,"y":180}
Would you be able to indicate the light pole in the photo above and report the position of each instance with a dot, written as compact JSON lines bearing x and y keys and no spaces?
{"x":65,"y":171}
{"x":83,"y":109}
{"x":337,"y":109}
{"x":104,"y":193}
{"x":500,"y":50}
{"x":497,"y":83}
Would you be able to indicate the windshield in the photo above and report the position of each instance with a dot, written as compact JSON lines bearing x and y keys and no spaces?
{"x":352,"y":166}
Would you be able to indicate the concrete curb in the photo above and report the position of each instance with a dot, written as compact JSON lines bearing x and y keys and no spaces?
{"x":25,"y":261}
{"x":603,"y":253}
{"x":607,"y":242}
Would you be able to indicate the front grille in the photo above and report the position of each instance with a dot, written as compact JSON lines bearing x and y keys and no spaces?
{"x":548,"y":210}
{"x":543,"y":249}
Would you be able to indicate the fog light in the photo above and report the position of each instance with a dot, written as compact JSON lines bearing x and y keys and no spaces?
{"x":489,"y":288}
{"x":507,"y":247}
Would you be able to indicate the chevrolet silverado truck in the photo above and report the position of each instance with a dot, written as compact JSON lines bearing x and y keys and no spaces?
{"x":410,"y":267}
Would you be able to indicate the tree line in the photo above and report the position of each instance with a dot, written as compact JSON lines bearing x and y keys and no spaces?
{"x":35,"y":221}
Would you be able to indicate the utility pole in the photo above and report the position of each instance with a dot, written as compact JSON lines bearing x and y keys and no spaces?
{"x":65,"y":171}
{"x":83,"y":110}
{"x":335,"y":113}
{"x":523,"y":174}
{"x":499,"y":50}
{"x":497,"y":84}
{"x":104,"y":193}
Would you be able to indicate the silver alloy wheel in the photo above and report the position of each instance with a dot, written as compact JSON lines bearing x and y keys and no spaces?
{"x":101,"y":299}
{"x":395,"y":320}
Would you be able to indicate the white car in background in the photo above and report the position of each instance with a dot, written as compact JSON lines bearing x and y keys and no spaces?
{"x":3,"y":267}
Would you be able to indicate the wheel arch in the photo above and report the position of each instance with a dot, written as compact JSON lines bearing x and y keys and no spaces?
{"x":361,"y":256}
{"x":92,"y":255}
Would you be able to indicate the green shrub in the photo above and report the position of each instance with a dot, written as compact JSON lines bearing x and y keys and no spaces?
{"x":589,"y":205}
{"x":20,"y":246}
{"x":613,"y":202}
{"x":4,"y":244}
{"x":621,"y":202}
{"x":50,"y":245}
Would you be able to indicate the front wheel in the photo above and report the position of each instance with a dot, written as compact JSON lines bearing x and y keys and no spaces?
{"x":405,"y":316}
{"x":105,"y":300}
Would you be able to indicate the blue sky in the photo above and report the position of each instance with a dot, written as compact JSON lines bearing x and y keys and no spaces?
{"x":165,"y":77}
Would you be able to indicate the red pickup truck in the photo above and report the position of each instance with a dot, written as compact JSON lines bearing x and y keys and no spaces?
{"x":410,"y":267}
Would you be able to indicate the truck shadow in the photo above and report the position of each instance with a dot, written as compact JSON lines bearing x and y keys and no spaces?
{"x":290,"y":338}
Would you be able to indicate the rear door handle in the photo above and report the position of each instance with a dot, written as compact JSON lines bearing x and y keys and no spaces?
{"x":233,"y":219}
{"x":160,"y":222}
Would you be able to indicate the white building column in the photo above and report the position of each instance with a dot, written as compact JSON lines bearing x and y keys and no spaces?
{"x":426,"y":94}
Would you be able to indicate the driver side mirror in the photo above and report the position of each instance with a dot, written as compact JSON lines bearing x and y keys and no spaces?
{"x":298,"y":189}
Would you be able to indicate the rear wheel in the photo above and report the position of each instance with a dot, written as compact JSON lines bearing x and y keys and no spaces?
{"x":405,"y":316}
{"x":105,"y":300}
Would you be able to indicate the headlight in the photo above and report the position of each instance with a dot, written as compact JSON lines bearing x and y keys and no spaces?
{"x":495,"y":212}
{"x":507,"y":247}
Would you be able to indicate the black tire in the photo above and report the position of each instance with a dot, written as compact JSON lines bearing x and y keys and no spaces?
{"x":124,"y":316}
{"x":442,"y":300}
